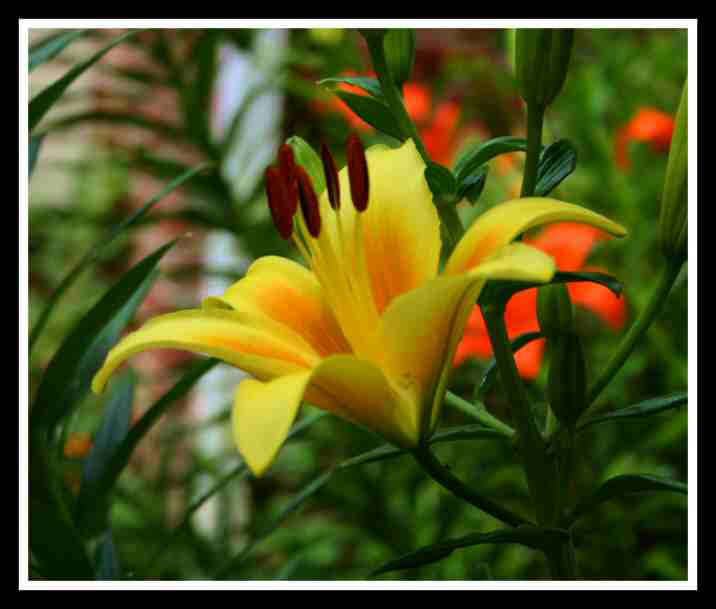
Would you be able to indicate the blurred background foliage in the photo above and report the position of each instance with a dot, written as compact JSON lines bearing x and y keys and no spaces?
{"x":149,"y":111}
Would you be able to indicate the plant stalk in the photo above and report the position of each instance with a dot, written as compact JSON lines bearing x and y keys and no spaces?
{"x":438,"y":472}
{"x":637,"y":330}
{"x":535,"y":120}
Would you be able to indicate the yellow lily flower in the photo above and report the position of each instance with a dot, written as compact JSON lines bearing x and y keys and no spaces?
{"x":370,"y":330}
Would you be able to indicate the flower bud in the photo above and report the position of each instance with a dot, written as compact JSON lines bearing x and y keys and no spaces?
{"x":673,"y":220}
{"x":399,"y":47}
{"x":555,"y":312}
{"x":567,"y":379}
{"x":541,"y":63}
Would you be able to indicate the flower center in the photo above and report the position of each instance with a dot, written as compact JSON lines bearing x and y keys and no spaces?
{"x":334,"y":245}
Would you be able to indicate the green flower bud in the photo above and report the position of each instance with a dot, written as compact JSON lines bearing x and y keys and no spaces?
{"x":541,"y":63}
{"x":399,"y":47}
{"x":673,"y":220}
{"x":555,"y":312}
{"x":567,"y":379}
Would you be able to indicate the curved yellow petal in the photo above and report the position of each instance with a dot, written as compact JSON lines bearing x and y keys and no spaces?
{"x":502,"y":223}
{"x":289,"y":294}
{"x":354,"y":389}
{"x":239,"y":339}
{"x":423,"y":327}
{"x":365,"y":260}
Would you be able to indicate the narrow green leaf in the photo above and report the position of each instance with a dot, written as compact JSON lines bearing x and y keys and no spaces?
{"x":526,"y":535}
{"x":473,"y":185}
{"x":197,"y":93}
{"x":502,"y":291}
{"x":442,"y":183}
{"x":94,"y":252}
{"x":113,"y":117}
{"x":92,"y":507}
{"x":479,"y":154}
{"x":608,"y":281}
{"x":466,"y":432}
{"x":556,"y":162}
{"x":43,"y":101}
{"x":374,"y":112}
{"x":34,"y":151}
{"x":120,"y":456}
{"x":69,"y":374}
{"x":369,"y":85}
{"x":51,"y":47}
{"x":108,"y":564}
{"x":54,"y":542}
{"x":625,"y":485}
{"x":490,"y":375}
{"x":643,"y":409}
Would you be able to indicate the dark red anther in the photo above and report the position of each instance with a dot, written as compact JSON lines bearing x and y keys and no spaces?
{"x":331,"y":173}
{"x":358,"y":173}
{"x":279,"y":202}
{"x":309,"y":202}
{"x":287,"y":165}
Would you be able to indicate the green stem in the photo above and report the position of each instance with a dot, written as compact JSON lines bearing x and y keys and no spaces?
{"x":535,"y":119}
{"x":480,"y":414}
{"x":393,"y":95}
{"x":563,"y":562}
{"x":438,"y":472}
{"x":638,"y":328}
{"x":540,"y":467}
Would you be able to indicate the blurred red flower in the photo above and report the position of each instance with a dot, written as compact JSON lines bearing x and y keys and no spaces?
{"x":648,"y":125}
{"x":438,"y":125}
{"x":570,"y":245}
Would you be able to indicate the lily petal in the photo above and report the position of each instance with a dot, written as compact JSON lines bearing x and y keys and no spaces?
{"x":354,"y":389}
{"x":502,"y":223}
{"x":238,"y":339}
{"x":289,"y":294}
{"x":423,"y":327}
{"x":399,"y":234}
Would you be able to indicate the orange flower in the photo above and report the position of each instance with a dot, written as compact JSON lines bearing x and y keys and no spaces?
{"x":649,"y":125}
{"x":440,"y":136}
{"x":569,"y":244}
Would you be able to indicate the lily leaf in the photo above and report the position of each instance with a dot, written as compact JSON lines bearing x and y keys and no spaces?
{"x":556,"y":162}
{"x":625,"y":485}
{"x":34,"y":151}
{"x":643,"y":409}
{"x":369,"y":85}
{"x":49,"y":48}
{"x":374,"y":112}
{"x":442,"y":183}
{"x":502,"y":291}
{"x":490,"y":374}
{"x":92,"y":507}
{"x":479,"y":154}
{"x":108,"y":565}
{"x":526,"y":535}
{"x":473,"y":185}
{"x":43,"y":101}
{"x":69,"y":374}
